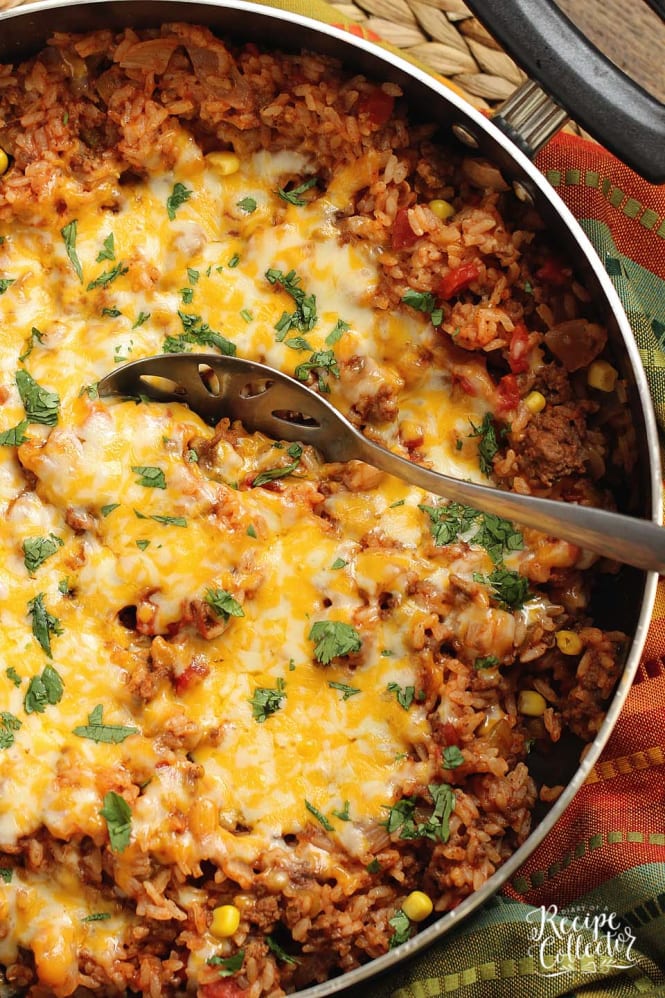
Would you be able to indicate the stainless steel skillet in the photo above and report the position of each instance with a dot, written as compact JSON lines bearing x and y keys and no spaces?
{"x":628,"y":603}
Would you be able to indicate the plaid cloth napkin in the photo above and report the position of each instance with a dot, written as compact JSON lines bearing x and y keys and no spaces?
{"x":585,"y":915}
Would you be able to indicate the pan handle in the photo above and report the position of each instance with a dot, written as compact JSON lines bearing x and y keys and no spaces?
{"x":600,"y":97}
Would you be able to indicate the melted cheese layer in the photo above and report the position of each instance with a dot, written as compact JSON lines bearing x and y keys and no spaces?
{"x":199,"y":764}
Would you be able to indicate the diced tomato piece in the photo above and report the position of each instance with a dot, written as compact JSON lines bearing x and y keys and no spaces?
{"x":224,"y":988}
{"x":518,"y":352}
{"x":190,"y":676}
{"x":449,"y":734}
{"x":458,"y":279}
{"x":378,"y":105}
{"x":402,"y":233}
{"x":554,"y":271}
{"x":508,"y":393}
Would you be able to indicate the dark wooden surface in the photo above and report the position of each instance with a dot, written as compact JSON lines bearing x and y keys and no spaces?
{"x":629,"y":33}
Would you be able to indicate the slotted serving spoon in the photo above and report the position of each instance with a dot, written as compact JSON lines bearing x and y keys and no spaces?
{"x":275,"y":404}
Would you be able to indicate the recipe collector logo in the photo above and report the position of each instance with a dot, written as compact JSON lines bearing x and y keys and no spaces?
{"x":578,"y":941}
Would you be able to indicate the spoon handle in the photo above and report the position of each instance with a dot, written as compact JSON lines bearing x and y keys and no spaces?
{"x":624,"y":538}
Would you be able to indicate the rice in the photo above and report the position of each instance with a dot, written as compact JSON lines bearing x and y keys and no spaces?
{"x":485,"y":292}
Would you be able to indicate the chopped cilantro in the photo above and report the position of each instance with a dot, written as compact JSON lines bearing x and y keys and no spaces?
{"x":343,"y":815}
{"x":297,"y":343}
{"x":223,"y":604}
{"x":452,"y":757}
{"x":98,"y":731}
{"x":404,"y":694}
{"x":338,"y":563}
{"x":293,"y":197}
{"x":227,"y":965}
{"x":304,"y":317}
{"x":5,"y":283}
{"x":424,"y":301}
{"x":35,"y":337}
{"x":41,"y":405}
{"x":108,"y":276}
{"x":187,"y":295}
{"x":374,"y":866}
{"x":6,"y":874}
{"x":108,"y":250}
{"x":143,"y":544}
{"x":279,"y":952}
{"x":12,"y":674}
{"x":402,"y":927}
{"x":118,"y":815}
{"x":266,"y":700}
{"x":44,"y":624}
{"x":108,"y":509}
{"x":509,"y":588}
{"x":488,"y":446}
{"x":401,"y":815}
{"x":321,"y":818}
{"x":234,"y":261}
{"x":176,"y":198}
{"x":149,"y":477}
{"x":246,"y":314}
{"x":452,"y":521}
{"x":294,"y":452}
{"x":169,"y":521}
{"x":333,"y":638}
{"x":336,"y":333}
{"x":247,"y":204}
{"x":42,"y":691}
{"x":486,"y":662}
{"x":118,"y":355}
{"x":251,"y":531}
{"x":192,"y":275}
{"x":8,"y":725}
{"x":112,"y":313}
{"x":197,"y":332}
{"x":320,"y":361}
{"x":140,"y":319}
{"x":37,"y":549}
{"x":97,"y":916}
{"x":68,"y":234}
{"x":15,"y":436}
{"x":345,"y":690}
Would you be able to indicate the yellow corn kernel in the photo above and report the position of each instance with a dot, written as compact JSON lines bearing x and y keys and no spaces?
{"x":569,"y":642}
{"x":531,"y":704}
{"x":4,"y":162}
{"x":535,"y":402}
{"x":417,"y":906}
{"x":442,"y":209}
{"x":225,"y":921}
{"x":225,"y":163}
{"x":602,"y":376}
